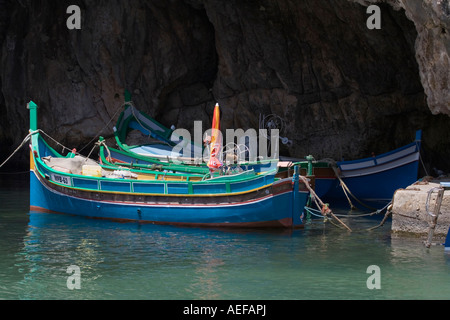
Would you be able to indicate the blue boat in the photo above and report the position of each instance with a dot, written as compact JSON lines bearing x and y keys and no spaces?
{"x":447,"y":241}
{"x":247,"y":199}
{"x":372,"y":181}
{"x":446,"y":186}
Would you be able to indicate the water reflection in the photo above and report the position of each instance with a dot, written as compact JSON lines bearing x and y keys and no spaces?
{"x":145,"y":261}
{"x":206,"y":282}
{"x":134,"y":261}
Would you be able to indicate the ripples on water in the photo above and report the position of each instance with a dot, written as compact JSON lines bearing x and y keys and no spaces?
{"x":132,"y":261}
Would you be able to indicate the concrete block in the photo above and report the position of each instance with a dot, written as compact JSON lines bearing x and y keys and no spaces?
{"x":409,"y":213}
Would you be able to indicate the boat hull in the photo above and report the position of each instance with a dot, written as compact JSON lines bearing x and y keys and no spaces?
{"x":372,"y":181}
{"x":375,"y":189}
{"x":272,"y":206}
{"x":74,"y":185}
{"x":447,"y":241}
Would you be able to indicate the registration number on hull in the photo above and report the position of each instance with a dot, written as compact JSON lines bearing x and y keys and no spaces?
{"x":61,"y":179}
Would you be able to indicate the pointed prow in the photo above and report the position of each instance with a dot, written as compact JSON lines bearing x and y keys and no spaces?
{"x":33,"y":115}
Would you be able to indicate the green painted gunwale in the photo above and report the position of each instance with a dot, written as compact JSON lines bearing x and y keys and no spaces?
{"x":227,"y":180}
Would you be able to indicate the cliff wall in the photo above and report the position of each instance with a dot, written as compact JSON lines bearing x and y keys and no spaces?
{"x":341,"y":89}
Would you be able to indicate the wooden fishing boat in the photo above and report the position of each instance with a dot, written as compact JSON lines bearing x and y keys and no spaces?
{"x":247,"y":199}
{"x":144,"y":138}
{"x":372,"y":181}
{"x":113,"y":156}
{"x":159,"y":140}
{"x":110,"y":155}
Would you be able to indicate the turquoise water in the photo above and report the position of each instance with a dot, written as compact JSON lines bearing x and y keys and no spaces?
{"x":132,"y":261}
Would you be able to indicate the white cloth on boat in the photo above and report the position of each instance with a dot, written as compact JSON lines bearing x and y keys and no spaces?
{"x":75,"y":166}
{"x":68,"y":165}
{"x":122,"y":174}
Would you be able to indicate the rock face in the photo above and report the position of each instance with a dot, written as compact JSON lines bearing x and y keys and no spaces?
{"x":341,"y":90}
{"x":78,"y":77}
{"x":432,"y":21}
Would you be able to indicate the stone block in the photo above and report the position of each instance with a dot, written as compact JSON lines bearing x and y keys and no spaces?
{"x":409,"y":209}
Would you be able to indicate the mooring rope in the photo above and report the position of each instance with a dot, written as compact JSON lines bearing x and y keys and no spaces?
{"x":18,"y":148}
{"x":48,"y":136}
{"x":314,"y":212}
{"x":110,"y":120}
{"x":318,"y":214}
{"x":325,"y":210}
{"x":345,"y":188}
{"x":421,"y":159}
{"x":324,"y":207}
{"x":56,"y":141}
{"x":378,"y":211}
{"x":64,"y":147}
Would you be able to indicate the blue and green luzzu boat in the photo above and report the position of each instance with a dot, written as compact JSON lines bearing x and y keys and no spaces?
{"x":248,"y":199}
